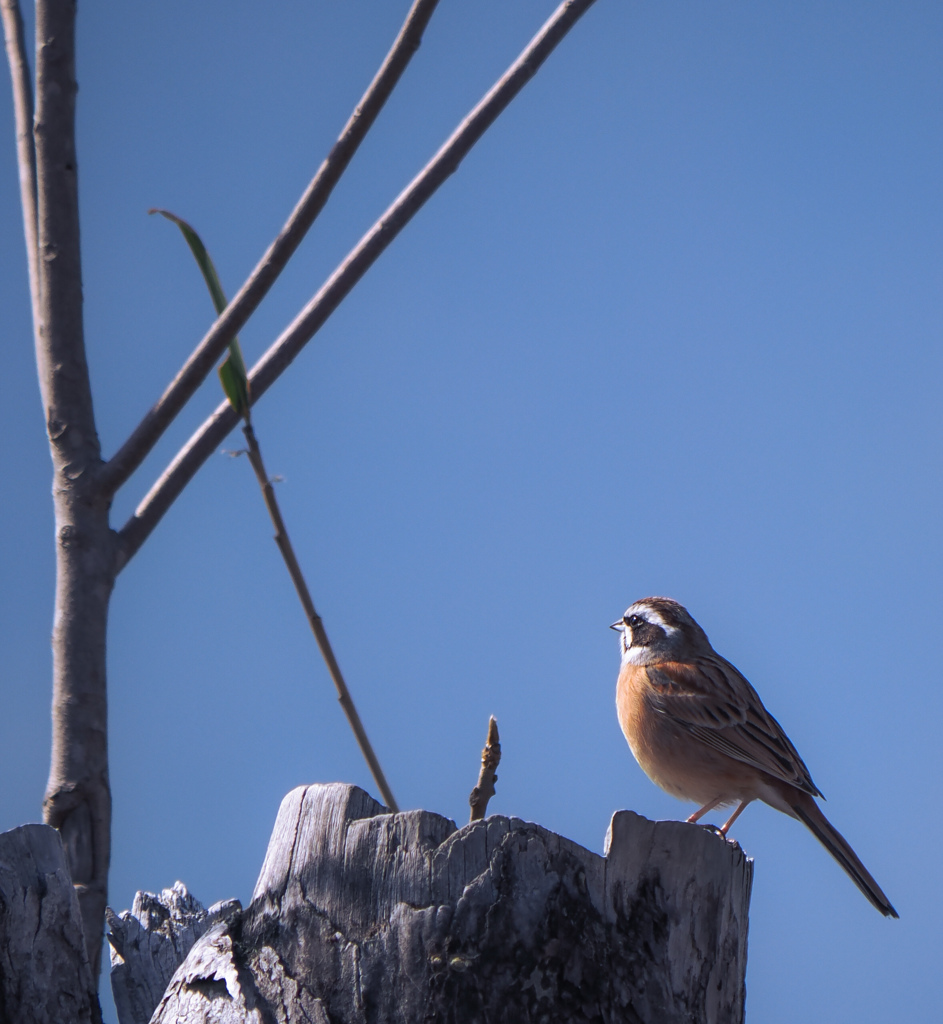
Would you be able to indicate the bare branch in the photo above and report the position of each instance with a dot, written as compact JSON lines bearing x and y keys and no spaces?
{"x":445,"y":162}
{"x":314,"y":620}
{"x":63,"y":369}
{"x":488,"y":776}
{"x":78,"y":798}
{"x":25,"y":147}
{"x":136,"y":448}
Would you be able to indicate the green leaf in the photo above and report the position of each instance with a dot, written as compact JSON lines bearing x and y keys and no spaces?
{"x":235,"y":384}
{"x":232,"y":373}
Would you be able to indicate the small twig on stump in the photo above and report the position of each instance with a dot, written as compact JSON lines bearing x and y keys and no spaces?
{"x":487,"y":777}
{"x":314,"y":620}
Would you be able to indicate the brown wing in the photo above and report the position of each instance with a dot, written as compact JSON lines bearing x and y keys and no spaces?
{"x":712,"y":701}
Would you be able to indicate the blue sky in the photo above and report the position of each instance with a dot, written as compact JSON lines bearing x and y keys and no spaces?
{"x":674,"y":327}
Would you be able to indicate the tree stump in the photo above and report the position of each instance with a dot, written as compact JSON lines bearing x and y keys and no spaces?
{"x":150,"y":941}
{"x":45,"y":976}
{"x":359,"y":916}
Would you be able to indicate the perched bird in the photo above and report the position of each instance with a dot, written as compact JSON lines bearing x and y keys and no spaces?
{"x":699,"y":730}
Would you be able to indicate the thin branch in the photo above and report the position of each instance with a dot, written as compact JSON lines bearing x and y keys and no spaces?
{"x":62,"y":365}
{"x":25,"y":146}
{"x":200,"y":363}
{"x":314,"y":620}
{"x":210,"y":435}
{"x":488,"y":776}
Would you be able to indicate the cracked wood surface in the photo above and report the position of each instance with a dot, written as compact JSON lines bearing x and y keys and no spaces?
{"x":359,"y":915}
{"x":45,"y":977}
{"x":150,"y":941}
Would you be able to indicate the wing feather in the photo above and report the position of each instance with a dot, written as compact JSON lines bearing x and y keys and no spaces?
{"x":712,"y":701}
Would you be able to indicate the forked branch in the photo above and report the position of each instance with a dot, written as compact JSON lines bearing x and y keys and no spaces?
{"x":270,"y":367}
{"x":198,"y":366}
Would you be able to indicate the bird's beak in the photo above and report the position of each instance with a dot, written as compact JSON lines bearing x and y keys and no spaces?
{"x":618,"y":626}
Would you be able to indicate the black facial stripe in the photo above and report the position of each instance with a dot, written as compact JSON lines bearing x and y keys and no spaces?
{"x":645,"y":633}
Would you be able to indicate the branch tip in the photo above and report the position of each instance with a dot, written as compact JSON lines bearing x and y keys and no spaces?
{"x":487,"y":777}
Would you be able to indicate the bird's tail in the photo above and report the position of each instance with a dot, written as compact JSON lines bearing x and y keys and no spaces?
{"x":807,"y":810}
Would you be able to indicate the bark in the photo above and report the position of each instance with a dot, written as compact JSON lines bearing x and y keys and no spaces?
{"x":45,"y":976}
{"x":88,"y":552}
{"x":364,"y":916}
{"x":78,"y":797}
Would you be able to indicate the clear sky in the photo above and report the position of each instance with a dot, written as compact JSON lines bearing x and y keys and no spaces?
{"x":674,"y":327}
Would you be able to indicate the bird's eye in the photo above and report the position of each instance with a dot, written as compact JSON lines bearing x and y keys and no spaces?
{"x":632,"y":620}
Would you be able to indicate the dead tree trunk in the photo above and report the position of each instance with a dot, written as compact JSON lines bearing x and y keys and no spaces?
{"x":45,"y":977}
{"x":359,"y":915}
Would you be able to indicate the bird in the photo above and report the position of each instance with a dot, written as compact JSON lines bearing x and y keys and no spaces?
{"x":699,"y":730}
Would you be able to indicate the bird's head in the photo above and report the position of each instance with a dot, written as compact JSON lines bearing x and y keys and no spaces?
{"x":659,"y":629}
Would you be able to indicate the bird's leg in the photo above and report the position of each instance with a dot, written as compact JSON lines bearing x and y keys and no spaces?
{"x":733,"y":817}
{"x":697,"y":815}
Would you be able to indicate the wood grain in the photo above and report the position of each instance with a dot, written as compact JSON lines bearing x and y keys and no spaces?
{"x":150,"y":941}
{"x":364,"y":916}
{"x":45,"y":977}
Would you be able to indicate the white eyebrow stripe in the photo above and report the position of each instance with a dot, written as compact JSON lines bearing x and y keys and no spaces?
{"x":651,"y":615}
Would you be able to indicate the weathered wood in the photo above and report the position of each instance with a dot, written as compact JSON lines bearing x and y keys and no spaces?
{"x":364,"y":916}
{"x":150,"y":941}
{"x":45,"y":976}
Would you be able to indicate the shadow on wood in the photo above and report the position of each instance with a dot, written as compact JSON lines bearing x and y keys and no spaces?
{"x":45,"y":977}
{"x":150,"y":941}
{"x":359,"y":915}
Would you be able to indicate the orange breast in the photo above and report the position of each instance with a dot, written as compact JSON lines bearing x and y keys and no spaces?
{"x":673,"y":759}
{"x":638,"y":725}
{"x":630,"y":699}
